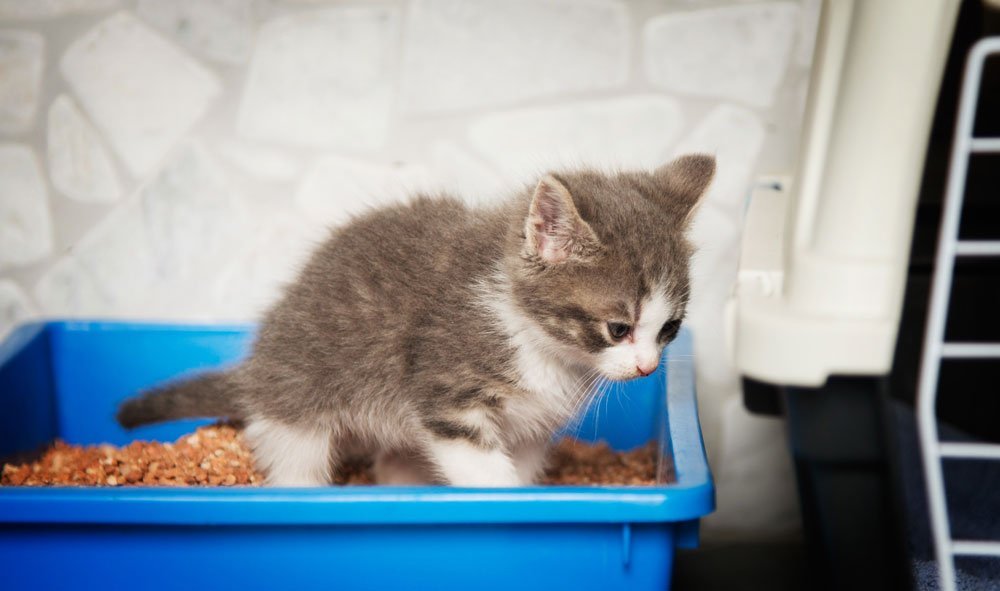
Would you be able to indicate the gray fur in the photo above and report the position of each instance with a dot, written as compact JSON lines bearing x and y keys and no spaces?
{"x":208,"y":395}
{"x":383,"y":337}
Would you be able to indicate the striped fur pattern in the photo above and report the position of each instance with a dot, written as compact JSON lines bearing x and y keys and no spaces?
{"x":451,"y":343}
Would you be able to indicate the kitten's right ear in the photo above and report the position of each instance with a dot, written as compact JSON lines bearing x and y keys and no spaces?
{"x":554,"y":230}
{"x":685,"y":182}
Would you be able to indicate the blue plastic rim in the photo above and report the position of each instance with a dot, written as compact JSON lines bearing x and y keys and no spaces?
{"x":65,"y":379}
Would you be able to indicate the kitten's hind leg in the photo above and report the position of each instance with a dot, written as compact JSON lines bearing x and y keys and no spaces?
{"x":291,"y":455}
{"x":465,"y":463}
{"x":400,"y":469}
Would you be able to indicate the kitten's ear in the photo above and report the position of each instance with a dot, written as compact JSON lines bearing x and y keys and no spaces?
{"x":685,"y":181}
{"x":554,"y":230}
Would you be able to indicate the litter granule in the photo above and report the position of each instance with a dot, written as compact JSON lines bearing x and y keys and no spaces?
{"x":218,"y":456}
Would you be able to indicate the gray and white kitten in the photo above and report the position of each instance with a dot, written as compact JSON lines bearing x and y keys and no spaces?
{"x":452,"y":343}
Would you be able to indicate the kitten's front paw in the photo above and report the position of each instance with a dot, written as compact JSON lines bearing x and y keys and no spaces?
{"x":463,"y":463}
{"x":529,"y":461}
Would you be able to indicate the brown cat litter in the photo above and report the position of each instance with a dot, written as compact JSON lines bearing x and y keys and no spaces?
{"x":578,"y":462}
{"x":218,"y":456}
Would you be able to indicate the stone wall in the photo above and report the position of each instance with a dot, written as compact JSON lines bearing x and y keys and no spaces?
{"x":175,"y":159}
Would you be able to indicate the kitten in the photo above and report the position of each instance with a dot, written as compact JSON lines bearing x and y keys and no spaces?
{"x":452,"y":343}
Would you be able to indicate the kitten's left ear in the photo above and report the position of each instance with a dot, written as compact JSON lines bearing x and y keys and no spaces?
{"x":554,"y":230}
{"x":684,"y":182}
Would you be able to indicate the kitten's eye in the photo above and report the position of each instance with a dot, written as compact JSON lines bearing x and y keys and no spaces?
{"x":617,"y":330}
{"x":669,"y":330}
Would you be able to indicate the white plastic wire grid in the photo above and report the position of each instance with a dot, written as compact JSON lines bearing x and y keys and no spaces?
{"x":935,"y":348}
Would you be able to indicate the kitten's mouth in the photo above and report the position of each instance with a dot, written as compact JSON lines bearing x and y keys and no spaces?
{"x":620,"y":377}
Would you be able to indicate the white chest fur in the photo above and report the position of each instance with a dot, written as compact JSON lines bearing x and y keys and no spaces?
{"x":552,"y":392}
{"x":552,"y":388}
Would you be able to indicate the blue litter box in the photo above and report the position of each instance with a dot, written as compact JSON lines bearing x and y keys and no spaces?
{"x":65,"y":379}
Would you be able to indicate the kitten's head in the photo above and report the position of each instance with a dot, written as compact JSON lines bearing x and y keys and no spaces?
{"x":602,"y":262}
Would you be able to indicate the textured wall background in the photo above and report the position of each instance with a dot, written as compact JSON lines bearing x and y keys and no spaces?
{"x":175,"y":159}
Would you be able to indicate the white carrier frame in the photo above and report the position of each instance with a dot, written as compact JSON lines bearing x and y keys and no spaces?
{"x":936,"y":348}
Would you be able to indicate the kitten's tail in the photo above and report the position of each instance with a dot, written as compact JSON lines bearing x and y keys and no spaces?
{"x":208,"y":395}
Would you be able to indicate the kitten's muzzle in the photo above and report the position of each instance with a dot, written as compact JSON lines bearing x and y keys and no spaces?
{"x":647,"y":369}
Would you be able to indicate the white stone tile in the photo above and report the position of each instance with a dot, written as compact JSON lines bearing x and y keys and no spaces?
{"x":739,"y":53}
{"x":254,"y":281}
{"x":261,"y":163}
{"x":15,"y":307}
{"x":43,"y":9}
{"x":627,"y":132}
{"x":157,"y":254}
{"x":323,"y":78}
{"x":25,"y":219}
{"x":220,"y":30}
{"x":112,"y":268}
{"x":754,"y":475}
{"x":22,"y":60}
{"x":461,"y":54}
{"x":79,"y":164}
{"x":460,"y":173}
{"x":808,"y":22}
{"x":715,"y":234}
{"x":735,"y":136}
{"x":67,"y":290}
{"x":140,"y":90}
{"x":337,"y":188}
{"x":193,"y":219}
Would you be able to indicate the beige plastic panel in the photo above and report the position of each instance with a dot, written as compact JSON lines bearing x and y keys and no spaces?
{"x":848,"y":210}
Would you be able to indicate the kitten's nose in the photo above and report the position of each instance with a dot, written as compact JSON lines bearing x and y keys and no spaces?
{"x":645,"y":371}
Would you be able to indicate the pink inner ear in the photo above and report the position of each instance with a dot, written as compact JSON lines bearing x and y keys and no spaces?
{"x":548,"y":245}
{"x":550,"y":250}
{"x":550,"y":225}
